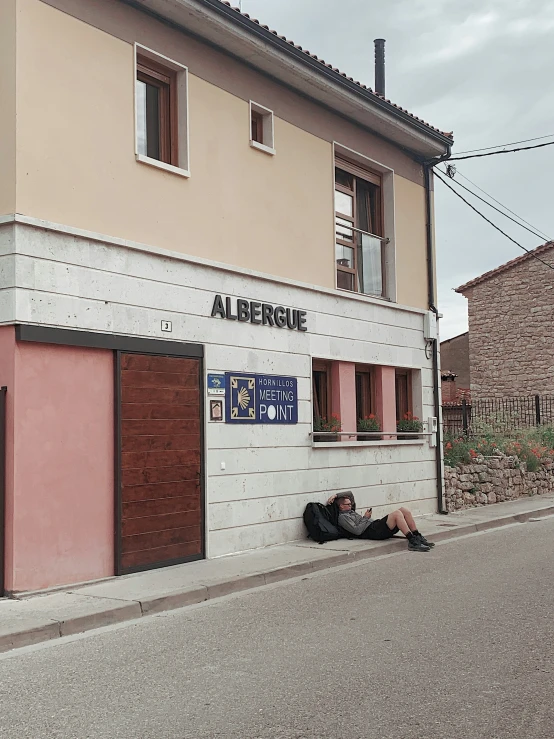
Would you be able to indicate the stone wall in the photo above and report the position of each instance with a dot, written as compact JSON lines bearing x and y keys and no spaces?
{"x":494,"y":480}
{"x":511,"y":331}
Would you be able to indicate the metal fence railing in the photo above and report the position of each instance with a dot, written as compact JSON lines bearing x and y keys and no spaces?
{"x":501,"y":415}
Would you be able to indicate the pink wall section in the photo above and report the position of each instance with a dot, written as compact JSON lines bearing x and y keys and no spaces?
{"x":343,"y":383}
{"x":385,"y":398}
{"x":7,"y":371}
{"x":64,"y":475}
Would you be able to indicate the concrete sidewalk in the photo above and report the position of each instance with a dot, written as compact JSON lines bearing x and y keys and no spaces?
{"x":35,"y":618}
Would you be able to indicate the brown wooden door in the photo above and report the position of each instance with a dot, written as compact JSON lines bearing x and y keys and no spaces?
{"x":160,"y":505}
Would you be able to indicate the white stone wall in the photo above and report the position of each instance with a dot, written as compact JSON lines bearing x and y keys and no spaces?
{"x":79,"y":281}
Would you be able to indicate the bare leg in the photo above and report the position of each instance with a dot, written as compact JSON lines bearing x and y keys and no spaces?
{"x":396,"y":518}
{"x":409,"y":519}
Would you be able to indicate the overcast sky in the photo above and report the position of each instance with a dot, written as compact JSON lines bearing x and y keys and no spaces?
{"x":480,"y":69}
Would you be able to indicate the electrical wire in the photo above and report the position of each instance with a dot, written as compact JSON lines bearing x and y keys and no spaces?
{"x":535,"y":233}
{"x":512,"y":143}
{"x":541,"y":233}
{"x":529,"y":251}
{"x":503,"y":151}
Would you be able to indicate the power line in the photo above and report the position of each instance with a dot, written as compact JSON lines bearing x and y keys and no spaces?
{"x":541,"y":233}
{"x":491,"y":223}
{"x":503,"y":151}
{"x":512,"y":143}
{"x":531,"y":230}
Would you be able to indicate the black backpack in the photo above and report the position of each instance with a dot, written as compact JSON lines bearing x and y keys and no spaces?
{"x":317,"y":520}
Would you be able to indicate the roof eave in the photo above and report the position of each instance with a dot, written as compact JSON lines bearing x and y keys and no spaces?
{"x":512,"y":264}
{"x":235,"y":34}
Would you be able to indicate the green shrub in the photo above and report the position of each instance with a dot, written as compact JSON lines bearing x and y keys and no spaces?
{"x":546,"y":436}
{"x":409,"y":423}
{"x":531,"y":446}
{"x":332,"y":424}
{"x":368,"y":423}
{"x":456,"y":450}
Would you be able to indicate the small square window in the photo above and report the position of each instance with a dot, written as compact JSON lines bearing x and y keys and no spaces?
{"x":261,"y":128}
{"x":161,"y":124}
{"x":257,"y":127}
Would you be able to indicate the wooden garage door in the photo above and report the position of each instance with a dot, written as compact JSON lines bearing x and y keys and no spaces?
{"x":160,"y":503}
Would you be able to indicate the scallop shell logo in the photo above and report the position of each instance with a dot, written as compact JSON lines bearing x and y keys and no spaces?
{"x":243,"y":398}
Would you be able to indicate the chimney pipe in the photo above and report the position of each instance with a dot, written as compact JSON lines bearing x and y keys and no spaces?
{"x":380,"y":66}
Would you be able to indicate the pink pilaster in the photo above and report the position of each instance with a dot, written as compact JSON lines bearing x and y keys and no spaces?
{"x":343,"y":382}
{"x":385,"y":398}
{"x":7,"y":378}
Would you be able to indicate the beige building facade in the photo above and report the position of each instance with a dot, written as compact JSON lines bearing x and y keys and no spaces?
{"x":156,"y":157}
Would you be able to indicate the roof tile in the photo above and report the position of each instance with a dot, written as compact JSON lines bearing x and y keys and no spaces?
{"x":504,"y":267}
{"x":335,"y":69}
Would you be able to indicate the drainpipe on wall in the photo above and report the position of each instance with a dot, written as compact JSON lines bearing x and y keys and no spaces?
{"x":428,"y":169}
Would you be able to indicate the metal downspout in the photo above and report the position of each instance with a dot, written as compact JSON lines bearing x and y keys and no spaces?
{"x":428,"y":168}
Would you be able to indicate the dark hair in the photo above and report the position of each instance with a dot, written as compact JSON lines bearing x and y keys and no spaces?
{"x":346,"y":494}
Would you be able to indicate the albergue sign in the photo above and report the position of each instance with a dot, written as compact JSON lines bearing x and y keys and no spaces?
{"x":264,"y":314}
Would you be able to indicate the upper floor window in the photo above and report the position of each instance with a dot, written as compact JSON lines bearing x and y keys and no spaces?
{"x":257,"y":127}
{"x":156,"y":112}
{"x":360,"y":245}
{"x":161,"y":111}
{"x":261,"y":128}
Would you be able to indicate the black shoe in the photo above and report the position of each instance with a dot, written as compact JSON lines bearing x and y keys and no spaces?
{"x":426,"y":543}
{"x":416,"y":545}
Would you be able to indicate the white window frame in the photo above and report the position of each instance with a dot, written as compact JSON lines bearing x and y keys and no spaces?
{"x":182,"y":86}
{"x":268,"y":128}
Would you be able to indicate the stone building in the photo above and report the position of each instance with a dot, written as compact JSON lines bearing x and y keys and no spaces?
{"x":511,"y":327}
{"x":455,"y":368}
{"x":455,"y":358}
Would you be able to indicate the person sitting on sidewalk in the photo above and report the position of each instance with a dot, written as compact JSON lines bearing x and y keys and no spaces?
{"x":365,"y":527}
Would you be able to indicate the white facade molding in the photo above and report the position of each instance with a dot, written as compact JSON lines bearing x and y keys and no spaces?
{"x":227,"y":268}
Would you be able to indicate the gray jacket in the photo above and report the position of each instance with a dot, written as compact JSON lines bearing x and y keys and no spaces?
{"x":354,"y":523}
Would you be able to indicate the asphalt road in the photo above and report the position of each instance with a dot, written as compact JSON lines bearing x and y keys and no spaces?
{"x":455,"y":643}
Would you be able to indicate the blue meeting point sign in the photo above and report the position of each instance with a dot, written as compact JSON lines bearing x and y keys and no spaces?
{"x":253,"y":398}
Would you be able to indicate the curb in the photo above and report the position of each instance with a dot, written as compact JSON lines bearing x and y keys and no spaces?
{"x":198,"y":594}
{"x":28,"y":637}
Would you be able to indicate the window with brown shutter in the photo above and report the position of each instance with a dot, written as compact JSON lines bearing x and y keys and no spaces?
{"x":403,"y":393}
{"x":156,"y":99}
{"x":365,"y":400}
{"x":321,"y":380}
{"x":257,"y":127}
